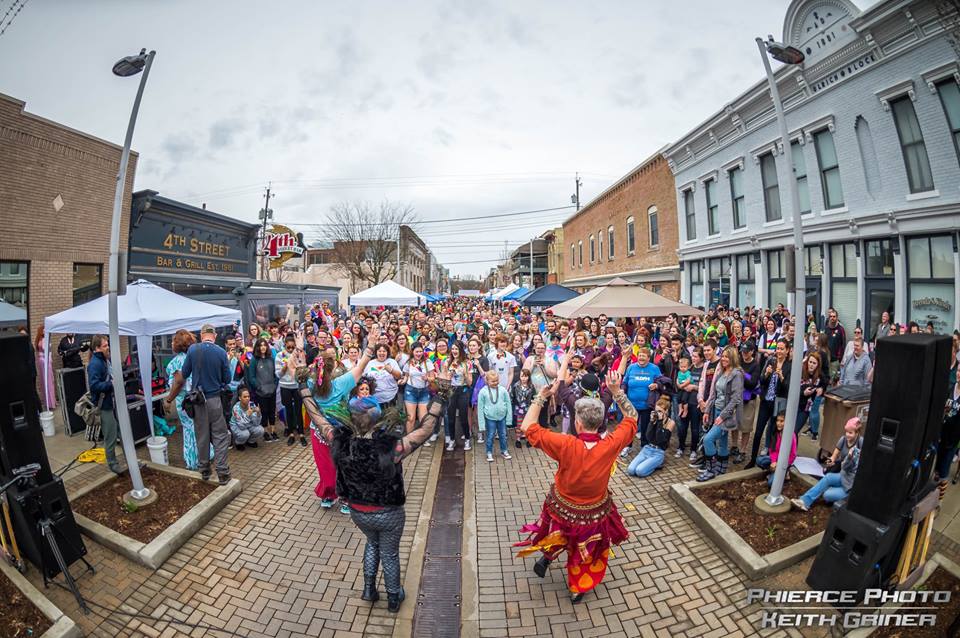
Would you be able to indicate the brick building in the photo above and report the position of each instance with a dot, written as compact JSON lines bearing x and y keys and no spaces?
{"x":628,"y":231}
{"x":555,"y":252}
{"x":56,"y":197}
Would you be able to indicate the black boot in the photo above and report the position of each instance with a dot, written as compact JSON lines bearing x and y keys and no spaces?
{"x":370,"y":592}
{"x":540,"y":567}
{"x":394,"y":600}
{"x":576,"y":598}
{"x":752,"y":464}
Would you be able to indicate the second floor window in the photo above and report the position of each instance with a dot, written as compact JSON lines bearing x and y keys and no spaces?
{"x":736,"y":198}
{"x":800,"y":170}
{"x":654,"y":226}
{"x":593,"y":250}
{"x":912,"y":146}
{"x":690,"y":214}
{"x":771,"y":187}
{"x":631,"y":238}
{"x":610,"y":245}
{"x":829,"y":169}
{"x":713,"y":223}
{"x":580,"y":250}
{"x":950,"y":98}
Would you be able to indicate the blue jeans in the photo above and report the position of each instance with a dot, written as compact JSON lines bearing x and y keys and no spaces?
{"x":500,"y":429}
{"x":715,"y":442}
{"x":644,"y":463}
{"x":829,"y":487}
{"x":815,"y":415}
{"x":764,"y":462}
{"x":417,"y":396}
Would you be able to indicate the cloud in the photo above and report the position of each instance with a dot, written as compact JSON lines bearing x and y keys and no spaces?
{"x":442,"y":136}
{"x":178,"y":147}
{"x":630,"y":90}
{"x":224,"y":132}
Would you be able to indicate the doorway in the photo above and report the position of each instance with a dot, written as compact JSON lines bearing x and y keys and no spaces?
{"x":880,"y":299}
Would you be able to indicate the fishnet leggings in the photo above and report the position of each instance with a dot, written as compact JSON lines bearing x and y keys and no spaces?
{"x":383,"y":530}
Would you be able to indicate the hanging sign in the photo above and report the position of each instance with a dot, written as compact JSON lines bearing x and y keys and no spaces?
{"x":281,"y":244}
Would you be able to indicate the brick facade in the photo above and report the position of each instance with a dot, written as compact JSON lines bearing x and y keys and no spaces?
{"x":649,"y":186}
{"x":40,"y":160}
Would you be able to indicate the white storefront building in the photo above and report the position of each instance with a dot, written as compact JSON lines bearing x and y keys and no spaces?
{"x":874,"y":121}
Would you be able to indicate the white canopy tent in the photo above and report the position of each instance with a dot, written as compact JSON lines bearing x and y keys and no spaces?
{"x":503,"y":292}
{"x":146,"y":310}
{"x":388,"y":293}
{"x":12,"y":316}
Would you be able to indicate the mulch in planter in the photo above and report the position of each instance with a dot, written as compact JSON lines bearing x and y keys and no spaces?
{"x":176,"y":495}
{"x":733,"y":502}
{"x":947,"y":614}
{"x":19,"y":618}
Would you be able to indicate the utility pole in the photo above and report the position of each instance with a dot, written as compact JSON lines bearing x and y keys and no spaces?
{"x":399,"y":234}
{"x":531,"y":266}
{"x":575,"y":198}
{"x":265,"y":213}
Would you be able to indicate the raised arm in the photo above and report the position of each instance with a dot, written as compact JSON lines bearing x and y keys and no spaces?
{"x":357,"y":370}
{"x":614,"y":380}
{"x":316,"y":417}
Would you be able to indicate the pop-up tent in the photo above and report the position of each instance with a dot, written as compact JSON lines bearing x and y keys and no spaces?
{"x":517,"y":294}
{"x":388,"y":293}
{"x":146,"y":310}
{"x":621,"y":298}
{"x":505,"y":291}
{"x":12,"y":316}
{"x":548,"y":295}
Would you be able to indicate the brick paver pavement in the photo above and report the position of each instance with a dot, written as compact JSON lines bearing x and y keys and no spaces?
{"x":668,"y":579}
{"x":272,"y":563}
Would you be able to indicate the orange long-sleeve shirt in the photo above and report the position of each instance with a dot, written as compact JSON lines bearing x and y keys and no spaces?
{"x":583,"y":473}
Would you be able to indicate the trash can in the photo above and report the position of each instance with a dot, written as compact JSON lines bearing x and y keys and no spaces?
{"x":839,"y":406}
{"x":46,"y":423}
{"x":158,"y":450}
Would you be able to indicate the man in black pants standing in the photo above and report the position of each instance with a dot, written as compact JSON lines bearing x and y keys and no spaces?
{"x":207,"y":363}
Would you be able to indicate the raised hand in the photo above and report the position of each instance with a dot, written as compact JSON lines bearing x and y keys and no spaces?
{"x":613,"y":381}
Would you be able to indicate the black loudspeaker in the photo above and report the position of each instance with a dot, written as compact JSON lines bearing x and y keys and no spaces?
{"x":903,"y":427}
{"x":73,"y":385}
{"x":21,"y":439}
{"x":47,"y":501}
{"x":856,"y":553}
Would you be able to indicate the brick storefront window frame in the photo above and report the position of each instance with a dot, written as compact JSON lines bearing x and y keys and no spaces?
{"x":611,"y":252}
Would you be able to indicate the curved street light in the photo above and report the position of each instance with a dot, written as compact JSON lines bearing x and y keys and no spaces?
{"x":125,"y":67}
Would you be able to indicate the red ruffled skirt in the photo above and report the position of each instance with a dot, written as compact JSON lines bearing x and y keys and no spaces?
{"x":585,"y":532}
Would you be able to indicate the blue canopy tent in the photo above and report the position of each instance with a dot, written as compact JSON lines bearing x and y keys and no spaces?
{"x":516,"y":295}
{"x":549,"y":295}
{"x":430,"y":298}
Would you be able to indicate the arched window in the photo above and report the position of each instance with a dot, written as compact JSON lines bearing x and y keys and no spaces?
{"x":573,"y":256}
{"x":599,"y":245}
{"x":580,"y":248}
{"x":593,"y":249}
{"x":654,"y":226}
{"x":631,"y":238}
{"x":611,"y":252}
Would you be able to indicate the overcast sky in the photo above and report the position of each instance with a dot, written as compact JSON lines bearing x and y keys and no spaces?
{"x":460,"y":108}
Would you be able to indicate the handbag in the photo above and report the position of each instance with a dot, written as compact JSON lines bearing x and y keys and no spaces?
{"x":195,"y":397}
{"x":90,"y":413}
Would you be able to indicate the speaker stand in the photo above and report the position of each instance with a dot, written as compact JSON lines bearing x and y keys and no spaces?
{"x":48,"y":528}
{"x":914,"y":553}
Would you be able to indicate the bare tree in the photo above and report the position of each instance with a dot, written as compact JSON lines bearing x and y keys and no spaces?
{"x":364,"y":238}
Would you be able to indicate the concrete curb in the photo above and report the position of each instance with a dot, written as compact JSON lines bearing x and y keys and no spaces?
{"x":157,"y":551}
{"x":403,"y":626}
{"x":63,"y":626}
{"x":747,"y":559}
{"x":935,"y":561}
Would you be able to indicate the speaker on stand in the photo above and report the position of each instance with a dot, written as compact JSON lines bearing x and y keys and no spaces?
{"x":879,"y":538}
{"x":21,"y":438}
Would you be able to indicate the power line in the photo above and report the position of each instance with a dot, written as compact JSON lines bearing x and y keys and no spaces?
{"x":22,"y":4}
{"x":434,"y":221}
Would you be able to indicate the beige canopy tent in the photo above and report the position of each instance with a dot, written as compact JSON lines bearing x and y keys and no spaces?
{"x":621,"y":298}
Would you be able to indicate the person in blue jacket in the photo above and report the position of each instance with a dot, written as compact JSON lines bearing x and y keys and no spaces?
{"x":100,"y":382}
{"x":639,"y":380}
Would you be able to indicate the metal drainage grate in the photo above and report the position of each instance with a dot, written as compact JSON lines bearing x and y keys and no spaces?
{"x":438,"y":601}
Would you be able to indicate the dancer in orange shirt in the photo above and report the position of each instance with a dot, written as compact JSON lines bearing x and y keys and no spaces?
{"x":578,"y":515}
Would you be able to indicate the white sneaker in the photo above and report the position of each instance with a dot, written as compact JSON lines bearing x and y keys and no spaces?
{"x":679,"y":454}
{"x":450,"y":445}
{"x":489,"y":457}
{"x":624,"y":452}
{"x":480,"y":438}
{"x":433,"y":437}
{"x":466,"y":445}
{"x":506,"y":456}
{"x":693,"y":456}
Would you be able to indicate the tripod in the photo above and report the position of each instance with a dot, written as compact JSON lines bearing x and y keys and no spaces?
{"x":26,"y":477}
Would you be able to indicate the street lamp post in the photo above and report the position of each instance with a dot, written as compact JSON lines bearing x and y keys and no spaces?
{"x":128,"y":66}
{"x":787,"y":55}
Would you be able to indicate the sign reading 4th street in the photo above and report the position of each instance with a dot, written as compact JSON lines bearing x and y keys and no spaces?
{"x":281,"y":244}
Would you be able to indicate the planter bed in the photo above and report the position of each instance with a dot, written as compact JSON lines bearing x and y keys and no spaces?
{"x":26,"y":613}
{"x":150,"y":535}
{"x":759,"y":544}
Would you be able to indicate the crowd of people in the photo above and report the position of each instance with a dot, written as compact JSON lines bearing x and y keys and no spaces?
{"x":712,"y":386}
